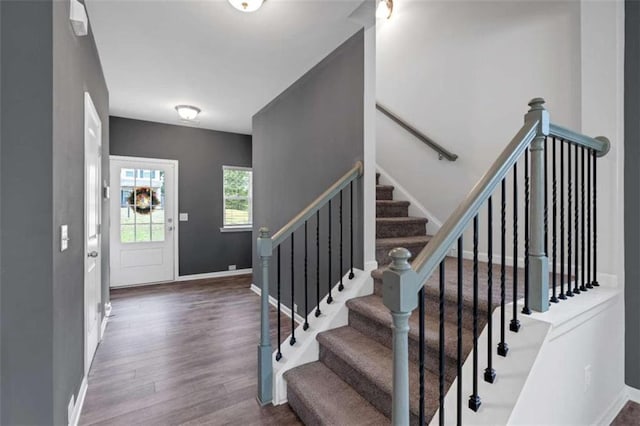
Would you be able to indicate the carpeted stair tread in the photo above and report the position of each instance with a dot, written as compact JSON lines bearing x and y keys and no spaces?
{"x":377,"y":324}
{"x":319,"y":396}
{"x":392,"y":208}
{"x":393,"y":227}
{"x":367,"y":366}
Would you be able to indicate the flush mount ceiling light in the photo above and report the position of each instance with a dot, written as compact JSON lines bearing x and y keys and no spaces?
{"x":187,"y":112}
{"x":246,"y":5}
{"x":385,"y":9}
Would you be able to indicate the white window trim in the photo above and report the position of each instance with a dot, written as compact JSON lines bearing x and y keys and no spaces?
{"x":244,"y":227}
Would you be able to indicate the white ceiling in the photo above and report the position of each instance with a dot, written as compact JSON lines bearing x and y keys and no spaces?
{"x":158,"y":54}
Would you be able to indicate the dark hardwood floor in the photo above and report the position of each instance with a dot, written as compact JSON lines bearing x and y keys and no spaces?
{"x":182,"y":353}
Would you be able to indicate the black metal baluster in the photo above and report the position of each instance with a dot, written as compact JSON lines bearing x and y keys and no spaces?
{"x":306,"y":279}
{"x":594,"y":241}
{"x":474,"y":399}
{"x":421,"y":349}
{"x":441,"y":347}
{"x":554,"y":212}
{"x":525,"y":308}
{"x":279,"y":353}
{"x":576,"y":217}
{"x":351,"y":274}
{"x":515,"y":324}
{"x":318,"y":312}
{"x":293,"y":294}
{"x":341,"y":286}
{"x":330,"y":298}
{"x":582,"y":224}
{"x":459,"y":358}
{"x":588,"y":231}
{"x":489,"y":372}
{"x":562,"y":295}
{"x":502,"y":346}
{"x":569,"y":226}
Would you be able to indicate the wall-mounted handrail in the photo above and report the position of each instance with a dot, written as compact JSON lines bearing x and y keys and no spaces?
{"x":284,"y":232}
{"x":442,"y":152}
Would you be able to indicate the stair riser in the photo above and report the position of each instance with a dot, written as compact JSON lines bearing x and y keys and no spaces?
{"x":383,"y":334}
{"x":392,"y":210}
{"x":402,"y":229}
{"x":384,"y":193}
{"x":382,"y":253}
{"x":377,"y":397}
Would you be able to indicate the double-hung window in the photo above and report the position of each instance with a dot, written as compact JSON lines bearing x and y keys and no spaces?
{"x":238,"y":200}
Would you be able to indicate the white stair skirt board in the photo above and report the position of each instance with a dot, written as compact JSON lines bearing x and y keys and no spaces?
{"x":542,"y":378}
{"x":334,"y":315}
{"x":415,"y":208}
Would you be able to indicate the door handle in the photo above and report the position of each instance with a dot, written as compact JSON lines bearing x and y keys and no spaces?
{"x":93,"y":254}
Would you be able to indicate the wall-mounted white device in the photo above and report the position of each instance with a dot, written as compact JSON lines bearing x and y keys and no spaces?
{"x":78,"y":18}
{"x":64,"y":237}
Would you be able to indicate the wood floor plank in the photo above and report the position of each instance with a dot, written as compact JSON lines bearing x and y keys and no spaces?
{"x":182,"y":353}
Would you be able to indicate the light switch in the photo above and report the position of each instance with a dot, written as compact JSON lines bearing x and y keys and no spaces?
{"x":64,"y":237}
{"x":184,"y":217}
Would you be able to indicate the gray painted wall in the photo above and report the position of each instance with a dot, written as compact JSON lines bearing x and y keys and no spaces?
{"x":76,"y":69}
{"x":303,"y":141}
{"x":26,"y":227}
{"x":45,"y":70}
{"x":632,"y":191}
{"x":201,"y":154}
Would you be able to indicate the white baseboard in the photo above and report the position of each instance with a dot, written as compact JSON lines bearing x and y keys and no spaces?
{"x":615,"y":407}
{"x":105,"y":319}
{"x":274,"y":302}
{"x":220,"y":274}
{"x":77,"y":409}
{"x":633,"y":394}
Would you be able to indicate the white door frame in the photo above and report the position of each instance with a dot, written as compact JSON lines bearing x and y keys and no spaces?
{"x":90,"y":113}
{"x":176,"y":227}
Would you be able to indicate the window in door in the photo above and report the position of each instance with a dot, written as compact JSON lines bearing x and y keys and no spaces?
{"x":238,"y":200}
{"x":142,"y":212}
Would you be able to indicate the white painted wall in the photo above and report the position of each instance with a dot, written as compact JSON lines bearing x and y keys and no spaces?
{"x":463,"y":72}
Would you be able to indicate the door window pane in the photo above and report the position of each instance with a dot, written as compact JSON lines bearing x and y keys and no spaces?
{"x":141,"y":204}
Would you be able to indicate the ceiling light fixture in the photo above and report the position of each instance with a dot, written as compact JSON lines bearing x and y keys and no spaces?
{"x":187,"y":112}
{"x":246,"y":5}
{"x":385,"y":9}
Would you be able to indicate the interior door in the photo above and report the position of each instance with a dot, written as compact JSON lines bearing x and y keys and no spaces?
{"x":142,"y":221}
{"x":92,"y":220}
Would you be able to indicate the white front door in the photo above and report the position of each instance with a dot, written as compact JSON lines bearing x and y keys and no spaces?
{"x":92,"y":221}
{"x":143,"y":228}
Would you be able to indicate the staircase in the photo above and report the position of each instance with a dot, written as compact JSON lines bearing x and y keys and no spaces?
{"x":351,"y":384}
